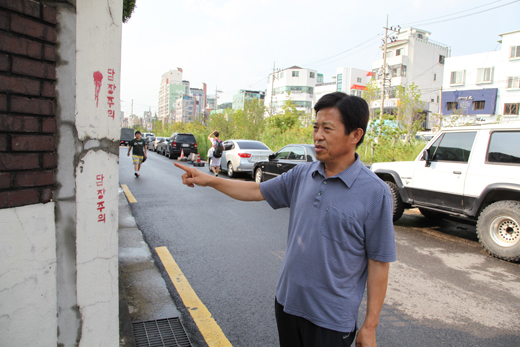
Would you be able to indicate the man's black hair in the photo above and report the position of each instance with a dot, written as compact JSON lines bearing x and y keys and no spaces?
{"x":353,"y":109}
{"x":137,"y":132}
{"x":216,"y":133}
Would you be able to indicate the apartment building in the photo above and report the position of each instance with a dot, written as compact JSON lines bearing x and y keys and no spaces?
{"x":412,"y":57}
{"x":170,"y":89}
{"x":185,"y":109}
{"x":244,"y":95}
{"x":348,"y":80}
{"x":295,"y":84}
{"x":485,"y":86}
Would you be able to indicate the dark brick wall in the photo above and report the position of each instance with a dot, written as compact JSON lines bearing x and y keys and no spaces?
{"x":27,"y":102}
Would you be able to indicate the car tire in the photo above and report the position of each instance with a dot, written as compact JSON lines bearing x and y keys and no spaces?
{"x":498,"y":229}
{"x":398,"y":208}
{"x":430,"y":214}
{"x":259,"y":175}
{"x":170,"y":155}
{"x":230,"y":170}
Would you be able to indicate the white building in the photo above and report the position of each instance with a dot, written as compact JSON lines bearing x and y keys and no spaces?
{"x":170,"y":90}
{"x":480,"y":87}
{"x":185,"y":109}
{"x":348,"y":80}
{"x":295,"y":84}
{"x":412,"y":57}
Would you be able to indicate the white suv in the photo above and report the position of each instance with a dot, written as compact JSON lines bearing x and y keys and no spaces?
{"x":471,"y":172}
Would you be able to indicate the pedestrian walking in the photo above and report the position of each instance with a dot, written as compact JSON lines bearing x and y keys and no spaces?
{"x":341,"y":235}
{"x":139,"y":152}
{"x":215,"y":152}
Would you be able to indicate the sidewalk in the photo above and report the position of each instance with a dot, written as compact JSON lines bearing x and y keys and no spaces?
{"x":143,"y":294}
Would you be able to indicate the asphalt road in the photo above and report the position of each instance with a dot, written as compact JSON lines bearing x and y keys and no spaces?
{"x":444,"y":290}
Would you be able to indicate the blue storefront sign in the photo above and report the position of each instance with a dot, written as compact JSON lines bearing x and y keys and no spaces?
{"x":470,"y":102}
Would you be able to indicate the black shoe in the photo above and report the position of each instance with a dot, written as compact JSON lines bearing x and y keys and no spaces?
{"x":136,"y":174}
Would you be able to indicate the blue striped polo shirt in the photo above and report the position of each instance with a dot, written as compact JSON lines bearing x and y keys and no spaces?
{"x":336,"y":224}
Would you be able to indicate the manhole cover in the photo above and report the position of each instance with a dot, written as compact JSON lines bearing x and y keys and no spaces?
{"x":167,"y":332}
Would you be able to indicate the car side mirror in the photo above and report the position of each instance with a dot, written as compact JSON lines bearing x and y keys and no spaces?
{"x":272,"y":156}
{"x":309,"y":158}
{"x":426,"y":157}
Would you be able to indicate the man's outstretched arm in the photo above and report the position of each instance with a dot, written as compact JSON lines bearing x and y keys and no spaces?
{"x":377,"y":282}
{"x":239,"y":190}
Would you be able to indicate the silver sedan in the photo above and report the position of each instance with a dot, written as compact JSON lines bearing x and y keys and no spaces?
{"x":241,"y":155}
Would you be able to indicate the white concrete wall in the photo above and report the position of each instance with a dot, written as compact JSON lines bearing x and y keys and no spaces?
{"x":28,"y":276}
{"x":97,"y":172}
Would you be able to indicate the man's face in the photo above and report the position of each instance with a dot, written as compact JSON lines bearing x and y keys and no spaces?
{"x":138,"y":136}
{"x":331,"y":144}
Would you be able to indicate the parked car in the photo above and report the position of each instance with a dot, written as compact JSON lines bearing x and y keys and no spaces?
{"x":156,"y":141}
{"x":471,"y":172}
{"x":161,"y":146}
{"x":282,"y":161}
{"x":149,"y":140}
{"x":127,"y":135}
{"x":181,"y":142}
{"x":241,"y":155}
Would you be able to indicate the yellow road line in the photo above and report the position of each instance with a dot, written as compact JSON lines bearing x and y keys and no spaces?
{"x":129,"y":195}
{"x":209,"y":329}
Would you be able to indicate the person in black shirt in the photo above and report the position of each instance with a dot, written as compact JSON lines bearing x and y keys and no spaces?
{"x":139,"y":151}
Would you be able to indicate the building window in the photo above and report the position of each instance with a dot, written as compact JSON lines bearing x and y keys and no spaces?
{"x":340,"y":77}
{"x":441,"y":59}
{"x":398,"y":70}
{"x":359,"y":80}
{"x":457,"y":77}
{"x":388,"y":54}
{"x":511,"y":109}
{"x":515,"y":52}
{"x":296,"y":74}
{"x":398,"y":52}
{"x":311,"y":75}
{"x":478,"y":105}
{"x":452,"y":105}
{"x":435,"y":77}
{"x":281,"y":74}
{"x":513,"y":82}
{"x":437,"y":99}
{"x":485,"y":75}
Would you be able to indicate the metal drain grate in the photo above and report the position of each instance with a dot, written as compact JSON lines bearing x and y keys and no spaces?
{"x":167,"y":332}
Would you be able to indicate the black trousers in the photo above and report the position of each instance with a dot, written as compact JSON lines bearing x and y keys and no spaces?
{"x":294,"y":331}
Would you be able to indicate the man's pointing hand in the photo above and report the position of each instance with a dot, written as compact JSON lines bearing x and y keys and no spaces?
{"x":193,"y":176}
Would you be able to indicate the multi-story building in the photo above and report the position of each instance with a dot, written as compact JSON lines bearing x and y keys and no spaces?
{"x":243,"y":95}
{"x":348,"y":80}
{"x":481,"y":87}
{"x":169,"y":91}
{"x":295,"y":84}
{"x":185,"y":109}
{"x":412,"y":57}
{"x":199,"y":96}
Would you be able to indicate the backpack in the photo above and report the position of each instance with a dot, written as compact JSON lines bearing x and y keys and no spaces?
{"x":217,"y":153}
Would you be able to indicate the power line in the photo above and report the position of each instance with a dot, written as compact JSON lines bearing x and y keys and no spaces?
{"x":469,"y":9}
{"x":470,"y":14}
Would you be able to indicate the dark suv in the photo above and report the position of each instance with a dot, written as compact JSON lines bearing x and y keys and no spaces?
{"x":181,"y":142}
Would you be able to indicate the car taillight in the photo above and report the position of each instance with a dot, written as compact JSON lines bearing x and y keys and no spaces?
{"x":244,"y":155}
{"x":195,"y":144}
{"x":174,"y":144}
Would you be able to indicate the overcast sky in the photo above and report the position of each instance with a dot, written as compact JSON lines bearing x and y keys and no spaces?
{"x":233,"y":44}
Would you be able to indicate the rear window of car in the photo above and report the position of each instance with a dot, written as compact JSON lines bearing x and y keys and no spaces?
{"x":251,"y":145}
{"x":185,"y":138}
{"x":503,"y":147}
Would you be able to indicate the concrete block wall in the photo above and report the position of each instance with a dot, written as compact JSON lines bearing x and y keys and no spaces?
{"x":27,"y":102}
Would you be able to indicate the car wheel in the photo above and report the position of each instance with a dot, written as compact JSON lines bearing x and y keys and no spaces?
{"x":230,"y":170}
{"x":498,"y":229}
{"x":430,"y":214}
{"x":170,"y":155}
{"x":398,"y":209}
{"x":258,"y":175}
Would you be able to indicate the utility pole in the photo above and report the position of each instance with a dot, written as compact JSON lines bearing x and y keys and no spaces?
{"x":132,"y":107}
{"x":272,"y":92}
{"x":395,"y":30}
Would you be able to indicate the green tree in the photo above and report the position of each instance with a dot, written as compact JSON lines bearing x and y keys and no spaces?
{"x":409,"y":110}
{"x":128,"y":9}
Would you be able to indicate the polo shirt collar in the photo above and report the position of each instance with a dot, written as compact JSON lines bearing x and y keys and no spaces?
{"x":348,"y":176}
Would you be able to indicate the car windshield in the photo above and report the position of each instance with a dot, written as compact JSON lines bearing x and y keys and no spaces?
{"x":251,"y":145}
{"x":185,"y":138}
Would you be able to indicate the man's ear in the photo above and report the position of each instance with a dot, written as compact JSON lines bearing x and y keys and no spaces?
{"x":357,"y":134}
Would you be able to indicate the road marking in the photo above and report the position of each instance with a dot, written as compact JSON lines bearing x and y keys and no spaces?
{"x":208,"y":327}
{"x":129,"y":195}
